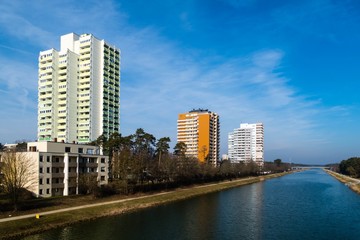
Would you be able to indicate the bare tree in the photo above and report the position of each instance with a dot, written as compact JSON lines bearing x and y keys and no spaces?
{"x":18,"y":173}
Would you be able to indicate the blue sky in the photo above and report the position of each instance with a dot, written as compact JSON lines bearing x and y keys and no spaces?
{"x":293,"y":65}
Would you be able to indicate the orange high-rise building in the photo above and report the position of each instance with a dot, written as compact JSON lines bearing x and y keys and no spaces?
{"x":200,"y":131}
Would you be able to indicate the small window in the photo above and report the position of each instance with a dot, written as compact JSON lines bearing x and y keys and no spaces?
{"x":67,"y":149}
{"x":48,"y":170}
{"x":80,"y":150}
{"x":102,"y":178}
{"x":102,"y":169}
{"x":41,"y":181}
{"x":48,"y":181}
{"x":48,"y":158}
{"x":90,"y":151}
{"x":41,"y":192}
{"x":41,"y":170}
{"x":47,"y":191}
{"x":102,"y":160}
{"x":41,"y":158}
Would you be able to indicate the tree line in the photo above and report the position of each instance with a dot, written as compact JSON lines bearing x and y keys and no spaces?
{"x":350,"y":167}
{"x":140,"y":162}
{"x":137,"y":163}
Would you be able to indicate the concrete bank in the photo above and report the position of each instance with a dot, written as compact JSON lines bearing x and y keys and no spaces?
{"x":42,"y":221}
{"x":352,"y":183}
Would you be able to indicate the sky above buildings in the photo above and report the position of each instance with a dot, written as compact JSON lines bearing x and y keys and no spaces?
{"x":293,"y":65}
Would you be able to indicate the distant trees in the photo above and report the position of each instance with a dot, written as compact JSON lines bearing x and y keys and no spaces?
{"x":350,"y":167}
{"x":277,"y":166}
{"x":18,"y":173}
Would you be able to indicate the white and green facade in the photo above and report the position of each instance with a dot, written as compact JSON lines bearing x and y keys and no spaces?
{"x":79,"y":90}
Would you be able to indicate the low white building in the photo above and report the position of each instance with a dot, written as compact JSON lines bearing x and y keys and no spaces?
{"x":246,"y":144}
{"x":58,"y":167}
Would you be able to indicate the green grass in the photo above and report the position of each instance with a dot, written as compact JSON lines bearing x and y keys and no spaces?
{"x":33,"y":225}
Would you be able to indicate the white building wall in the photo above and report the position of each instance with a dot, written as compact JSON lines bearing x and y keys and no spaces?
{"x":247,"y":144}
{"x":96,"y":125}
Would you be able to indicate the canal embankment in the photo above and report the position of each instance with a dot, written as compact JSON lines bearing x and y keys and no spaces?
{"x":352,"y":183}
{"x":23,"y":225}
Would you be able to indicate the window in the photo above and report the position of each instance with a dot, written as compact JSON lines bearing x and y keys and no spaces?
{"x":48,"y":170}
{"x":41,"y":181}
{"x":41,"y":158}
{"x":41,"y":170}
{"x":90,"y":151}
{"x":41,"y":192}
{"x":47,"y":191}
{"x":102,"y":178}
{"x":67,"y":149}
{"x":80,"y":150}
{"x":102,"y":160}
{"x":48,"y":158}
{"x":102,"y":169}
{"x":48,"y":181}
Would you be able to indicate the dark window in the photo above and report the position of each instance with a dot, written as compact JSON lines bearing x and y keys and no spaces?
{"x":48,"y":158}
{"x":47,"y":191}
{"x":102,"y":160}
{"x":41,"y":181}
{"x":48,"y":181}
{"x":102,"y":178}
{"x":40,"y":191}
{"x":41,"y":158}
{"x":48,"y":170}
{"x":67,"y":149}
{"x":80,"y":150}
{"x":41,"y":170}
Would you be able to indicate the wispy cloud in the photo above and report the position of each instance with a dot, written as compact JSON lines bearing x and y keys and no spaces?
{"x":160,"y":78}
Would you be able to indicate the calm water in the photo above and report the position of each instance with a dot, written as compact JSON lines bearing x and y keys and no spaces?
{"x":306,"y":205}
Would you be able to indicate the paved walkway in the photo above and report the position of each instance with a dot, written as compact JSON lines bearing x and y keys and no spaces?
{"x":74,"y":208}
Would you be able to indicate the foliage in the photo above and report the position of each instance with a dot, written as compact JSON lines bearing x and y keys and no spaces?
{"x":17,"y":173}
{"x":140,"y":162}
{"x":276,"y":166}
{"x":350,"y":167}
{"x":87,"y":183}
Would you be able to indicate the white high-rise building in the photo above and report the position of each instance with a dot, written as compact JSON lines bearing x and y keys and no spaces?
{"x":79,"y":90}
{"x":246,"y":144}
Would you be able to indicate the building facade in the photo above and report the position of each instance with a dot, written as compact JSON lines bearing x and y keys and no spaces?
{"x":200,"y":131}
{"x":79,"y":90}
{"x":246,"y":144}
{"x":60,"y":167}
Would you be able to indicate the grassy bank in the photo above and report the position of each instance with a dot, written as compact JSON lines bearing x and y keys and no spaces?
{"x":32,"y":225}
{"x":352,"y":183}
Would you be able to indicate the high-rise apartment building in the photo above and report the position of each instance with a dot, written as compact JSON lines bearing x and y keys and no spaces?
{"x":246,"y":144}
{"x":200,"y":131}
{"x":79,"y":90}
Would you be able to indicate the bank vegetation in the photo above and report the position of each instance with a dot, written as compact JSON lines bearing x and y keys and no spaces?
{"x":32,"y":225}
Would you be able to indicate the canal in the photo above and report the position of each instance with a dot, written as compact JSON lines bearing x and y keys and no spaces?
{"x":304,"y":205}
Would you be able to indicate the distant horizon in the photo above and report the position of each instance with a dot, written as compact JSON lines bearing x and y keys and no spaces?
{"x":288,"y":64}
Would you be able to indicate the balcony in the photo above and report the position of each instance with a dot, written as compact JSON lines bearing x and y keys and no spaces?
{"x":57,"y":175}
{"x":57,"y":185}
